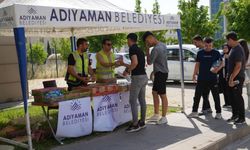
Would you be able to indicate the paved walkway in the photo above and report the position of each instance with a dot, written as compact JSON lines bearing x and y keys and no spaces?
{"x":180,"y":133}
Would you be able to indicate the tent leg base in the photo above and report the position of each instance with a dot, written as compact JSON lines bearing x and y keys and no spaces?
{"x":59,"y":140}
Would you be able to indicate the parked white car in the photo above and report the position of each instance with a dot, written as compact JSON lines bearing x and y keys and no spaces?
{"x":189,"y":56}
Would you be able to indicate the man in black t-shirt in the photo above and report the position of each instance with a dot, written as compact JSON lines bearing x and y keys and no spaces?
{"x":236,"y":69}
{"x":138,"y":83}
{"x":207,"y":77}
{"x":206,"y":108}
{"x":79,"y":66}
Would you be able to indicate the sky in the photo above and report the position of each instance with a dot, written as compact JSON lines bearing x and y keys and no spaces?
{"x":166,"y":6}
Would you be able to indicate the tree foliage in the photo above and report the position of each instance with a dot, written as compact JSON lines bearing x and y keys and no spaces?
{"x":160,"y":35}
{"x":138,"y":6}
{"x":237,"y":13}
{"x":138,"y":9}
{"x":61,"y":46}
{"x":195,"y":20}
{"x":36,"y":54}
{"x":64,"y":48}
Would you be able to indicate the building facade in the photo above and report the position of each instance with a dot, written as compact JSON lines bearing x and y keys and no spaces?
{"x":214,"y":8}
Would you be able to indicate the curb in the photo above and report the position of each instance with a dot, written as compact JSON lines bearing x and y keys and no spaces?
{"x":229,"y":138}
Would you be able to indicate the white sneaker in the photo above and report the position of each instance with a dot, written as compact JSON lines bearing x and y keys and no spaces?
{"x":218,"y":116}
{"x":163,"y":120}
{"x":193,"y":115}
{"x":155,"y":118}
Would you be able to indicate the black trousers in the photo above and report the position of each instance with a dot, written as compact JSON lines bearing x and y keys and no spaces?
{"x":237,"y":101}
{"x":205,"y":87}
{"x":224,"y":88}
{"x":205,"y":104}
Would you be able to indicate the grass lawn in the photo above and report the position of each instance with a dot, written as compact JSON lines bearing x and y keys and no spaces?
{"x":15,"y":118}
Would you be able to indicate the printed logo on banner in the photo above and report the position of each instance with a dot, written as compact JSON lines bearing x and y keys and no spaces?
{"x":75,"y":105}
{"x":76,"y":117}
{"x":32,"y":17}
{"x":106,"y":106}
{"x":127,"y":108}
{"x":172,"y":21}
{"x":32,"y":11}
{"x":5,"y":13}
{"x":106,"y":98}
{"x":5,"y":19}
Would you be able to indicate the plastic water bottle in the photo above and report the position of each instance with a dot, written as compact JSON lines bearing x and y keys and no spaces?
{"x":236,"y":82}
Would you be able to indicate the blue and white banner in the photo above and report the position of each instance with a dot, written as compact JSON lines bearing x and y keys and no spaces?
{"x":111,"y":111}
{"x":124,"y":108}
{"x":42,"y":16}
{"x":74,"y":118}
{"x":106,"y":112}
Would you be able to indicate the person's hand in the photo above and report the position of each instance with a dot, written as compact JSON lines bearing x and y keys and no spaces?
{"x":194,"y":78}
{"x":215,"y":70}
{"x":93,"y":78}
{"x":231,"y":83}
{"x":122,"y":63}
{"x":223,"y":63}
{"x":119,"y":62}
{"x":84,"y":79}
{"x":125,"y":73}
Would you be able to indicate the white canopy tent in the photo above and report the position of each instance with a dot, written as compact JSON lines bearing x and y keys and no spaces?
{"x":69,"y":18}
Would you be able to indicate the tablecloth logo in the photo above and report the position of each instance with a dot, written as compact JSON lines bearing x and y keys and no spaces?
{"x":106,"y":98}
{"x":75,"y":105}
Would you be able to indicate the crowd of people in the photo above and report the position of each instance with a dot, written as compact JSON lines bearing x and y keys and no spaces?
{"x":213,"y":71}
{"x":221,"y":74}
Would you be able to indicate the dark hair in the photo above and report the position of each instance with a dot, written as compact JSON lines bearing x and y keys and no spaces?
{"x":208,"y":40}
{"x":105,"y":40}
{"x":80,"y":41}
{"x":132,"y":36}
{"x":146,"y":34}
{"x":232,"y":35}
{"x":197,"y":38}
{"x":225,"y":44}
{"x":244,"y":45}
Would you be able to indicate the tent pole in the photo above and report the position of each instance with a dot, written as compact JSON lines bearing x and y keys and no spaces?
{"x":73,"y":43}
{"x":181,"y":69}
{"x":14,"y":142}
{"x":21,"y":53}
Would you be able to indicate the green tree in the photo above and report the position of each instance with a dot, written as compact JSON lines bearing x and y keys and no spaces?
{"x":195,"y":20}
{"x":237,"y":13}
{"x":160,"y":35}
{"x":37,"y":54}
{"x":138,"y":6}
{"x":138,"y":9}
{"x":64,"y":48}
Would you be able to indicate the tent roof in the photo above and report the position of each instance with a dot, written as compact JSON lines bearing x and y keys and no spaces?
{"x":76,"y":4}
{"x":63,"y":18}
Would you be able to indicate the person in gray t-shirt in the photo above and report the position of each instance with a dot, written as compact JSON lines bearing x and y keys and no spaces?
{"x":158,"y":57}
